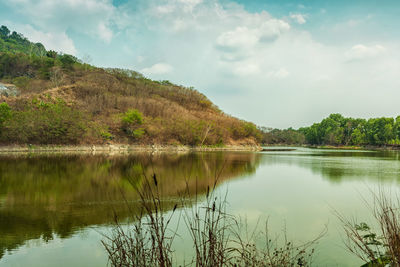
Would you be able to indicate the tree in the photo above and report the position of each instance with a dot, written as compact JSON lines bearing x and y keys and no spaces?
{"x":52,"y":54}
{"x":4,"y":32}
{"x":5,"y":114}
{"x":67,"y":61}
{"x":130,"y":123}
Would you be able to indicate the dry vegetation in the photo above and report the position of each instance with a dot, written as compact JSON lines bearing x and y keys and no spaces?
{"x":171,"y":114}
{"x":216,"y":237}
{"x":379,"y":246}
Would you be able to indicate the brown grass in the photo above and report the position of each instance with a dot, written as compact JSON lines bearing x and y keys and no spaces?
{"x":172,"y":114}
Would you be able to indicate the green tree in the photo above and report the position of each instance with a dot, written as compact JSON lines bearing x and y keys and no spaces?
{"x":4,"y":32}
{"x":132,"y":116}
{"x":131,"y":120}
{"x":5,"y":113}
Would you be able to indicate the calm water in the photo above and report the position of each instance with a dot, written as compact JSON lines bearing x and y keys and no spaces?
{"x":54,"y":208}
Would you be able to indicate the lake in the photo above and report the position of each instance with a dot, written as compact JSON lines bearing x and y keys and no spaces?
{"x":54,"y":208}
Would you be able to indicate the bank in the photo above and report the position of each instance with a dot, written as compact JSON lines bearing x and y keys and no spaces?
{"x":121,"y":148}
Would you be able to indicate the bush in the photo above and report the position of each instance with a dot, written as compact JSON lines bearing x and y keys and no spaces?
{"x":130,"y":122}
{"x":44,"y":123}
{"x":132,"y":116}
{"x":5,"y":113}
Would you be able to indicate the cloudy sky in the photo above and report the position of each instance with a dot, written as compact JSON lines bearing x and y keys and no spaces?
{"x":277,"y":63}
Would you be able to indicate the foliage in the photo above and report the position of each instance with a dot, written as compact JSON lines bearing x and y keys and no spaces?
{"x":5,"y":114}
{"x":16,"y":42}
{"x":132,"y":116}
{"x":380,"y":248}
{"x":338,"y":130}
{"x":276,"y":136}
{"x":44,"y":123}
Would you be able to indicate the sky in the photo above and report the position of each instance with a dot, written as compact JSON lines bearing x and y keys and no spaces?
{"x":280,"y":64}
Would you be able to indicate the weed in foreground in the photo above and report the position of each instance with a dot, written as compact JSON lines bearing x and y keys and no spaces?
{"x":217,"y":237}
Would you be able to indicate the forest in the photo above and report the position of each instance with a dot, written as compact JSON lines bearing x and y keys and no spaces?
{"x":337,"y":130}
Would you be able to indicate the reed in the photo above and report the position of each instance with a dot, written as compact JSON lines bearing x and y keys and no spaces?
{"x":216,"y":236}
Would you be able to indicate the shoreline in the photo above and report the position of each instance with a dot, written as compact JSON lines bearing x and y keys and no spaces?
{"x":373,"y":148}
{"x":120,"y":148}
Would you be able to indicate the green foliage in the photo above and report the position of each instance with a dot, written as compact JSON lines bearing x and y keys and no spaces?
{"x":138,"y":133}
{"x":276,"y":136}
{"x":106,"y":135}
{"x":44,"y":123}
{"x":5,"y":114}
{"x":337,"y":130}
{"x":132,"y":116}
{"x":17,"y":43}
{"x":130,"y":122}
{"x":21,"y":58}
{"x":67,"y":61}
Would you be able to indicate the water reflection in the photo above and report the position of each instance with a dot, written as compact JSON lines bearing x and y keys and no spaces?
{"x":43,"y":196}
{"x":339,"y":166}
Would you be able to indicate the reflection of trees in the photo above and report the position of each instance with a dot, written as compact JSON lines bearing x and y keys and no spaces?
{"x":340,"y":166}
{"x":45,"y":195}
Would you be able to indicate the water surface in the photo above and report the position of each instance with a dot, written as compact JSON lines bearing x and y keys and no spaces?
{"x":53,"y":208}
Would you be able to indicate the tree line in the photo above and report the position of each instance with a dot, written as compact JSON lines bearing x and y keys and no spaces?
{"x":337,"y":130}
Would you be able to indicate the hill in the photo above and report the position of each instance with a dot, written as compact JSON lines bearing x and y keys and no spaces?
{"x":61,"y":100}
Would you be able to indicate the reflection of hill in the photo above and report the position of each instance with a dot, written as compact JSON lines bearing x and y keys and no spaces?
{"x":45,"y":195}
{"x":337,"y":165}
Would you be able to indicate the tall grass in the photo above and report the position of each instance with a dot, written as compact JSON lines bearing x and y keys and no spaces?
{"x":217,"y":237}
{"x":148,"y":240}
{"x":258,"y":248}
{"x":381,"y":247}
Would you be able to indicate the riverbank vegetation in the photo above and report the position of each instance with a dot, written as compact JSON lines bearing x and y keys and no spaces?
{"x":63,"y":100}
{"x":376,"y":246}
{"x":337,"y":130}
{"x":217,"y":238}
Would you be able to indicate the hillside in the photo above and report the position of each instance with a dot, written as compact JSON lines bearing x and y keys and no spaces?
{"x":61,"y":100}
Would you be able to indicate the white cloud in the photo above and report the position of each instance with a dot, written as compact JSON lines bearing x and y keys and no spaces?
{"x":241,"y":37}
{"x":189,"y":5}
{"x":240,"y":43}
{"x":278,"y":74}
{"x":245,"y":69}
{"x":158,"y":68}
{"x":104,"y":32}
{"x":360,"y":51}
{"x":272,"y":29}
{"x":92,"y":17}
{"x":165,"y":9}
{"x":299,"y":18}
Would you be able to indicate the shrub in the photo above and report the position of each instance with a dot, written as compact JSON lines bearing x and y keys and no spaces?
{"x":45,"y":123}
{"x":138,"y":133}
{"x":130,"y":122}
{"x":5,"y":114}
{"x":132,"y":116}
